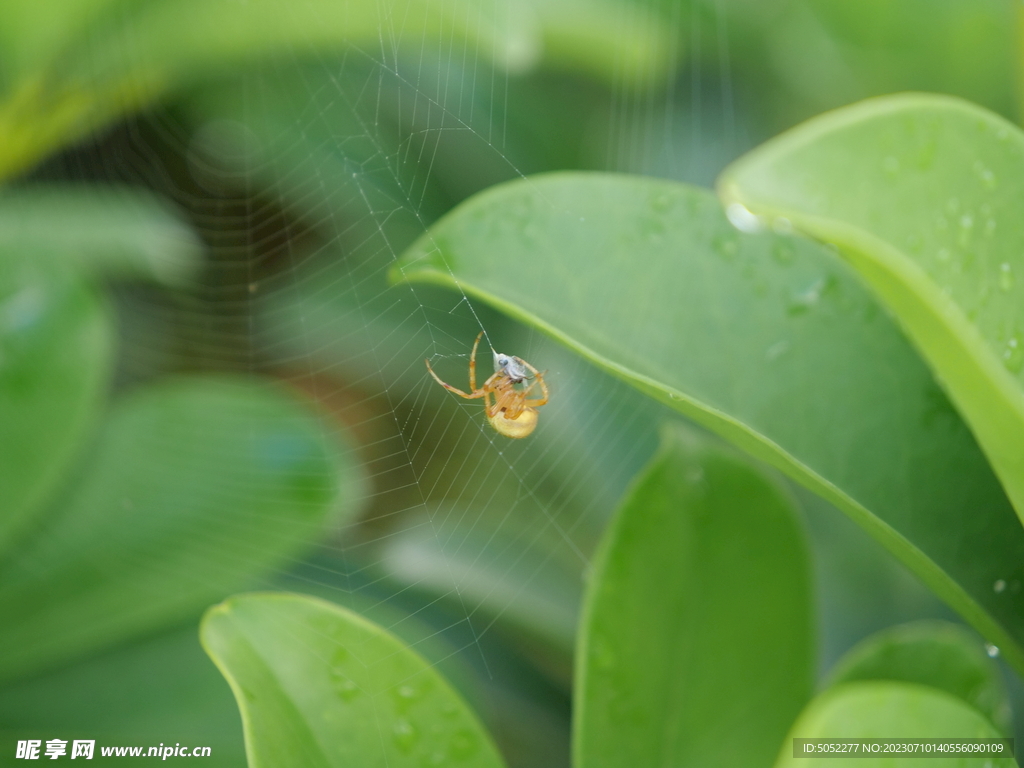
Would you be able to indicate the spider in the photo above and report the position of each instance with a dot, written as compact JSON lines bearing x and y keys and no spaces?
{"x":511,"y":413}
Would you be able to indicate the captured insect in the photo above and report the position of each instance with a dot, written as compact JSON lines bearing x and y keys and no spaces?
{"x":512,"y":413}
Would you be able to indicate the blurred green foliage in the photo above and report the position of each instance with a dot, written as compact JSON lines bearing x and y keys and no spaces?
{"x":200,"y":347}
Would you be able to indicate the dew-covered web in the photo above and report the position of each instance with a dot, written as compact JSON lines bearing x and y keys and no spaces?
{"x":306,"y":176}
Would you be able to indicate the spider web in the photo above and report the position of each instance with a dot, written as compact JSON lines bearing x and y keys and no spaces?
{"x":306,"y":177}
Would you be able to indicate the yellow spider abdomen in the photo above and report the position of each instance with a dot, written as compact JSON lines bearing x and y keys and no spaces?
{"x":521,"y":426}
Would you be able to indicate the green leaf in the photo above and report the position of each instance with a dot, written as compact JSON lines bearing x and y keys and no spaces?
{"x":116,"y":231}
{"x":194,"y":488}
{"x":698,"y":619}
{"x":877,"y":710}
{"x":320,"y":686}
{"x":921,"y":193}
{"x":56,"y":343}
{"x":771,"y":341}
{"x":935,"y":653}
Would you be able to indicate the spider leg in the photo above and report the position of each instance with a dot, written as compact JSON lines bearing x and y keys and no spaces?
{"x":472,"y":362}
{"x":509,"y":401}
{"x":495,"y":387}
{"x":476,"y":394}
{"x":538,"y":378}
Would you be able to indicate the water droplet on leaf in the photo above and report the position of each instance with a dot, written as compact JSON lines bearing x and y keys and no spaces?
{"x":926,"y":155}
{"x":741,"y":218}
{"x":405,"y":696}
{"x":988,"y":179}
{"x":966,"y":225}
{"x":661,"y":203}
{"x":1006,"y":279}
{"x":776,"y":350}
{"x":405,"y":735}
{"x":726,"y":246}
{"x":347,"y":689}
{"x":805,"y":300}
{"x":783,"y":252}
{"x":463,"y":744}
{"x":1013,"y":355}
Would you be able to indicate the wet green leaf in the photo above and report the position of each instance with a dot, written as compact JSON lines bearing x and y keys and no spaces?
{"x":769,"y":340}
{"x":878,"y":710}
{"x":318,"y":685}
{"x":194,"y":488}
{"x":705,"y":560}
{"x":921,"y":193}
{"x":56,"y":343}
{"x":936,"y":653}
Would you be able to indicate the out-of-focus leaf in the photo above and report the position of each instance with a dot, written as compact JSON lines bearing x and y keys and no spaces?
{"x":356,"y":144}
{"x":320,"y":686}
{"x":922,"y":195}
{"x":828,"y":53}
{"x":115,"y":231}
{"x":888,"y":710}
{"x":706,"y":559}
{"x":163,"y":689}
{"x":939,"y":654}
{"x":357,"y":164}
{"x":56,"y":340}
{"x":194,"y":488}
{"x":72,"y":80}
{"x":769,"y":340}
{"x":623,"y":42}
{"x":121,"y":56}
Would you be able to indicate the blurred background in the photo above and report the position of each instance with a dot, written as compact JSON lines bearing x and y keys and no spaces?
{"x":229,"y":183}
